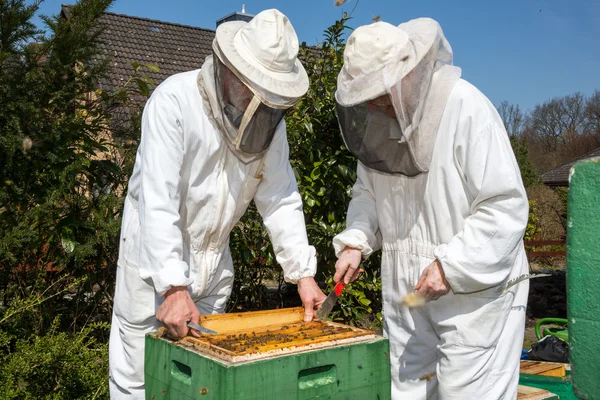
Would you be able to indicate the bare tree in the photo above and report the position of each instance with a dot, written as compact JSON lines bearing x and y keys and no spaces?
{"x":559,"y":121}
{"x":513,"y":118}
{"x":545,"y":125}
{"x":574,"y":120}
{"x":592,"y":114}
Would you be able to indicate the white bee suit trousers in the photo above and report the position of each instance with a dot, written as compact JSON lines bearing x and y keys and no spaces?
{"x":470,"y":212}
{"x":186,"y":193}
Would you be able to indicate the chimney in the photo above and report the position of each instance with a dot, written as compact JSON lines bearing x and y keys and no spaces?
{"x":236,"y":16}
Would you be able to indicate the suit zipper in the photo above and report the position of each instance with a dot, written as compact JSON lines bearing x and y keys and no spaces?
{"x":214,"y":238}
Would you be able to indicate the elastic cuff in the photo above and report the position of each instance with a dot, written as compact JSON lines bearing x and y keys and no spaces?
{"x":309,"y":270}
{"x":459,"y":279}
{"x":441,"y":254}
{"x":354,"y":238}
{"x":174,"y":273}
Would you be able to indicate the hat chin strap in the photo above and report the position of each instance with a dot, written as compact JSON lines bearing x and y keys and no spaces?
{"x":248,"y":114}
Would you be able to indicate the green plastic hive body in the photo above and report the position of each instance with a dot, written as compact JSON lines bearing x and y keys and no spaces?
{"x":560,"y":386}
{"x":323,"y":361}
{"x":583,"y":277}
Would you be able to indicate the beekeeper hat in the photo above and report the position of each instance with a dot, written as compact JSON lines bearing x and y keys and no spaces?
{"x":379,"y":55}
{"x":265,"y":52}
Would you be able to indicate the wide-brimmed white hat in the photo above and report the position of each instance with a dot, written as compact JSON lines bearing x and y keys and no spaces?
{"x":380,"y":54}
{"x":265,"y":52}
{"x":412,"y":64}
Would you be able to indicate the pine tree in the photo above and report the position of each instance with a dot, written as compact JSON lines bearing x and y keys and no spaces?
{"x":63,"y":177}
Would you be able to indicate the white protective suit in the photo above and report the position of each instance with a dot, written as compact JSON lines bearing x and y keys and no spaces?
{"x":469,"y":211}
{"x":187,"y":191}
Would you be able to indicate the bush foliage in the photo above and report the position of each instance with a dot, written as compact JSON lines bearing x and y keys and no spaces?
{"x":61,"y":195}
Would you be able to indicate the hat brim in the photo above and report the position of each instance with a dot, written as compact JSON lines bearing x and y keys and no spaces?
{"x":358,"y":91}
{"x":422,"y":33}
{"x":293,"y":84}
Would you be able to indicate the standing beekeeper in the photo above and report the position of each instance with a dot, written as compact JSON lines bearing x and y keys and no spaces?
{"x":212,"y":140}
{"x":439,"y":191}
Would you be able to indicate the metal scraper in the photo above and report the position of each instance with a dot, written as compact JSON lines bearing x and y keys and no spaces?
{"x":202,"y":329}
{"x":330,"y":301}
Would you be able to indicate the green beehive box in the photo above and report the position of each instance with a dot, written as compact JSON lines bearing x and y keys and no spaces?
{"x":553,"y":377}
{"x":269,"y":355}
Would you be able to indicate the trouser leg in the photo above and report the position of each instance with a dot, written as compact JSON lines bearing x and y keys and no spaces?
{"x":480,"y":354}
{"x":126,"y":358}
{"x":413,"y":355}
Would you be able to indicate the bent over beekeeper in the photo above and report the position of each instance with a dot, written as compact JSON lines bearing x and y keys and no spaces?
{"x":439,"y":191}
{"x":213,"y":140}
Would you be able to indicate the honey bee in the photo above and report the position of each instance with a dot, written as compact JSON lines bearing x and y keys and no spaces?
{"x":427,"y":377}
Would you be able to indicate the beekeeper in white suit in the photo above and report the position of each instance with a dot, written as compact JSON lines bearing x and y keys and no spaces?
{"x":212,"y":140}
{"x":439,"y":191}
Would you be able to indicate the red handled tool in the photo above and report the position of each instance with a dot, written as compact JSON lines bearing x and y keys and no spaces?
{"x":330,"y":301}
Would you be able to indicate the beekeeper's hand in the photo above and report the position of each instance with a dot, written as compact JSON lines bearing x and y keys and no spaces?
{"x":311,"y":295}
{"x":347,"y":266}
{"x":177,"y":309}
{"x":432,"y":284}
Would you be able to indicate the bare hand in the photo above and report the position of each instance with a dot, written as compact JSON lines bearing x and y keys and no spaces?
{"x":432,"y":283}
{"x":346,"y":267}
{"x":177,"y":309}
{"x":312,"y":297}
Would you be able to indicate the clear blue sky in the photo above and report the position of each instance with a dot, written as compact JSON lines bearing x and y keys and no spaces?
{"x":523,"y":51}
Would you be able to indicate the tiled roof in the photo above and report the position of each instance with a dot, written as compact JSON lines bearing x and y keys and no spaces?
{"x":559,"y":176}
{"x":173,"y":48}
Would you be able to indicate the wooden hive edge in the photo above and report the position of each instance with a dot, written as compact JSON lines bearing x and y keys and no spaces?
{"x":531,"y":393}
{"x":229,"y":323}
{"x":229,"y":358}
{"x":543,"y":368}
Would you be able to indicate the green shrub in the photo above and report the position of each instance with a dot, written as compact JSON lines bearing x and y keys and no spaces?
{"x":61,"y":197}
{"x":39,"y":361}
{"x":533,"y":229}
{"x":55,"y":365}
{"x":360,"y":302}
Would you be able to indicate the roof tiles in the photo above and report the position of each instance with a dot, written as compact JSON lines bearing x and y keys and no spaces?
{"x":559,"y":176}
{"x":172,"y":47}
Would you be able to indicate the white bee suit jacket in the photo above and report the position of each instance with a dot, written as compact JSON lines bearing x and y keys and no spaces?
{"x":186,"y":193}
{"x":470,"y":212}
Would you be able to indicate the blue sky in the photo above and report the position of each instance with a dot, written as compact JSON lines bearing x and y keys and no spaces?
{"x":523,"y":51}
